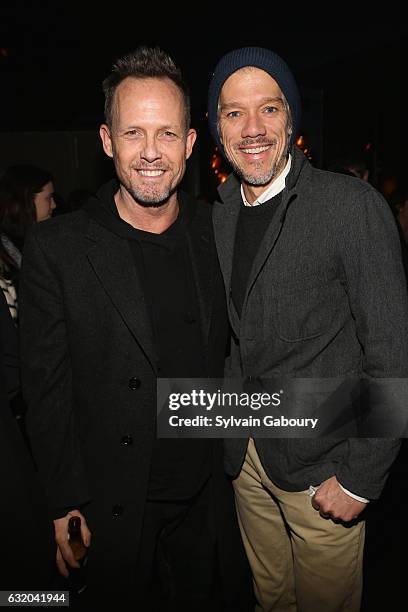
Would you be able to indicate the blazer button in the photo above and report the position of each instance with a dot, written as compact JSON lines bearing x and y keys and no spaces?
{"x":127,"y":440}
{"x":134,"y":383}
{"x":117,"y":510}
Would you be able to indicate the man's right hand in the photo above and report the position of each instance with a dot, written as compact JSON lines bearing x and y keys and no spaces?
{"x":64,"y":552}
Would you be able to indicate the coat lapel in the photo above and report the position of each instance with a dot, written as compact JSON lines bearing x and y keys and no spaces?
{"x":274,"y":230}
{"x":112,"y":261}
{"x":266,"y":246}
{"x":225,"y":218}
{"x":203,"y":260}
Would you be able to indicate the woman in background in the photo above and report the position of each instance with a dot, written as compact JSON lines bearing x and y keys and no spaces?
{"x":26,"y":197}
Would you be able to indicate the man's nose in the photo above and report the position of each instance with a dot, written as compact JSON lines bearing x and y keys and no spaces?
{"x":253,"y":126}
{"x":150,"y":150}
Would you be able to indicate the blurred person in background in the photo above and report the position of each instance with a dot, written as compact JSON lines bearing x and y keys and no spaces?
{"x":353,"y":165}
{"x":398,"y":200}
{"x":399,"y":204}
{"x":26,"y":197}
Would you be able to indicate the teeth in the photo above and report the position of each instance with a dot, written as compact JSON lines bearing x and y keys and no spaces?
{"x":151,"y":172}
{"x":256,"y":150}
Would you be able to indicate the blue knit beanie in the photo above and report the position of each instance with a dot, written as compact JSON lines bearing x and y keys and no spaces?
{"x":259,"y":58}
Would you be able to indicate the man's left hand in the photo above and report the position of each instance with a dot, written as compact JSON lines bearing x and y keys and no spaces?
{"x":332,"y":502}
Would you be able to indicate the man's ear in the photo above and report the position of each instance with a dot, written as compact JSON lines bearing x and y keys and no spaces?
{"x":105,"y":135}
{"x":190,"y":140}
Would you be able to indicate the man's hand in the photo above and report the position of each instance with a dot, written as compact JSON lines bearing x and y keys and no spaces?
{"x":64,"y":552}
{"x":332,"y":502}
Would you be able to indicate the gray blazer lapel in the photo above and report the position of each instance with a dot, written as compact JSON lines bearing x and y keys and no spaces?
{"x":225,"y":218}
{"x":268,"y":243}
{"x":112,"y":261}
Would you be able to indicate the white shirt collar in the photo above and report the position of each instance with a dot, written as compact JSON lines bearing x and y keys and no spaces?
{"x":274,"y":188}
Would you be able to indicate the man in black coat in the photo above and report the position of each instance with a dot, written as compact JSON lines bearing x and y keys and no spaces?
{"x":312,"y":267}
{"x":112,"y":297}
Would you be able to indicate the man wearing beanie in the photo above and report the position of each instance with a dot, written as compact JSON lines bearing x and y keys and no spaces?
{"x":310,"y":295}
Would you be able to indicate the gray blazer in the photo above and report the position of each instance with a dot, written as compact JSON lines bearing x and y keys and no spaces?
{"x":326,"y":297}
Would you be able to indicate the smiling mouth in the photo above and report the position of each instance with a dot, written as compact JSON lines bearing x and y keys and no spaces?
{"x":254,"y":150}
{"x":151,"y":173}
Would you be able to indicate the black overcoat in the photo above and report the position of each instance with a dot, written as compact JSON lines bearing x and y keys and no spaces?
{"x":89,"y":377}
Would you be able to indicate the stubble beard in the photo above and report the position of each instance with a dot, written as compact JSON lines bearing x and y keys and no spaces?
{"x":150,"y":197}
{"x":250,"y":177}
{"x":256,"y":179}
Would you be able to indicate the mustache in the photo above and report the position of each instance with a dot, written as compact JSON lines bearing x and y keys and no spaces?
{"x":261,"y":140}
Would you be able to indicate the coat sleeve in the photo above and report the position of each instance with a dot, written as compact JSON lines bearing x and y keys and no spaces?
{"x":376,"y":286}
{"x":47,"y":380}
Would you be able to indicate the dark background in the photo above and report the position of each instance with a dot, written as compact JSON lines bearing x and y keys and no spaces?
{"x":54,"y":56}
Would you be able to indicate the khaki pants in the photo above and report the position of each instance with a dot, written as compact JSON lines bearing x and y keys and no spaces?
{"x":300,"y":561}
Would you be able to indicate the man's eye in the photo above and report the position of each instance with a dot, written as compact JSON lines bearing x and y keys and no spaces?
{"x":170,"y":134}
{"x":270,"y":109}
{"x":131,"y":133}
{"x":233,"y":114}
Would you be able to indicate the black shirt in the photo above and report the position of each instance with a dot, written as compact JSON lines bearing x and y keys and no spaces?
{"x":178,"y":467}
{"x":251,"y":227}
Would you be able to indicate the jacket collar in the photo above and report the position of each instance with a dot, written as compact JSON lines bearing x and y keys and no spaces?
{"x":111,"y":258}
{"x":225,"y":218}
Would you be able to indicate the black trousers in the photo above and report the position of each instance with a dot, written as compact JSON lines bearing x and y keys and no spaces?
{"x":177,"y":567}
{"x":190,"y":558}
{"x":177,"y":563}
